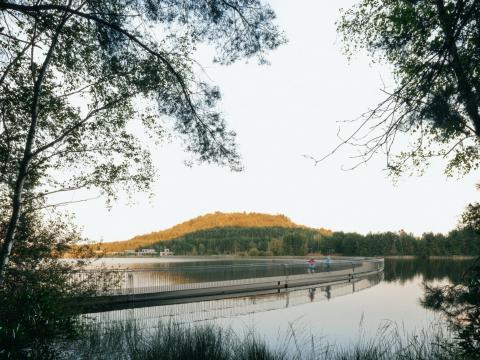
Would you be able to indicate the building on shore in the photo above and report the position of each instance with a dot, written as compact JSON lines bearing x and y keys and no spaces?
{"x":147,"y":252}
{"x":166,"y":252}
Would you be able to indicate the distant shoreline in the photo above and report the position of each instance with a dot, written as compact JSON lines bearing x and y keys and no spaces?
{"x":432,"y":257}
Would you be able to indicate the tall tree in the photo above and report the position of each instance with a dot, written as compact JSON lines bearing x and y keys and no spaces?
{"x":78,"y":78}
{"x":433,"y":48}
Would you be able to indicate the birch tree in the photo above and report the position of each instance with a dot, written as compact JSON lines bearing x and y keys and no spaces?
{"x":77,"y":75}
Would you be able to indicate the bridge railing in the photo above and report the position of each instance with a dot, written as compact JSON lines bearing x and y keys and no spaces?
{"x":187,"y":277}
{"x":189,"y":312}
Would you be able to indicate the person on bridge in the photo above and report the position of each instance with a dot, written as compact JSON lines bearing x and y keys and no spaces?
{"x":311,"y":265}
{"x":328,"y":262}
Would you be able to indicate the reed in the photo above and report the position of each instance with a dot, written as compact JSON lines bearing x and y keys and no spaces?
{"x":173,"y":342}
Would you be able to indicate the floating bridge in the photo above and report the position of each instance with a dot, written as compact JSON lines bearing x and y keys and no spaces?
{"x":150,"y":317}
{"x":131,"y":288}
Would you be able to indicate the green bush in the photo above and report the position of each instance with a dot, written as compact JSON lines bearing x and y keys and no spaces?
{"x":253,"y":252}
{"x":34,"y":300}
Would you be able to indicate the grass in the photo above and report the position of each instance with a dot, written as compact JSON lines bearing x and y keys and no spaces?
{"x":169,"y":342}
{"x":175,"y":342}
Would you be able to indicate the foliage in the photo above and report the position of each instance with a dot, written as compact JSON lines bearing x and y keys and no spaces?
{"x":253,"y":252}
{"x":85,"y":84}
{"x":433,"y":49}
{"x":456,"y":242}
{"x":295,"y":244}
{"x":471,"y":218}
{"x":204,"y":222}
{"x":34,"y":311}
{"x":460,"y":302}
{"x":242,"y":240}
{"x":279,"y":241}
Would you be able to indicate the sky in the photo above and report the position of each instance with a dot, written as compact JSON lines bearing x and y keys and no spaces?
{"x":280,"y":112}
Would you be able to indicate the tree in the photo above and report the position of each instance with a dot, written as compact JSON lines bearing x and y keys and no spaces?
{"x":38,"y":289}
{"x":78,"y":79}
{"x":460,"y":304}
{"x":471,"y":217}
{"x":294,"y":244}
{"x":434,"y":51}
{"x":275,"y":246}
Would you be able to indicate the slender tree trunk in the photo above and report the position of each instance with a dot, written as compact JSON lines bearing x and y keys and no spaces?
{"x":469,"y":97}
{"x":27,"y":156}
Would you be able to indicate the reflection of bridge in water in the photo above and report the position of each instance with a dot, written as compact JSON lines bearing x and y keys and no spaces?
{"x":124,"y":289}
{"x":203,"y":310}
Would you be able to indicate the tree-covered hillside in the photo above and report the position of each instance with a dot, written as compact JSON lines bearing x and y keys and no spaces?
{"x":208,"y":221}
{"x":258,"y":234}
{"x":301,"y":241}
{"x":251,"y":241}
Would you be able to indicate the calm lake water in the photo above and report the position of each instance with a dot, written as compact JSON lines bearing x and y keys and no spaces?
{"x":337,"y":314}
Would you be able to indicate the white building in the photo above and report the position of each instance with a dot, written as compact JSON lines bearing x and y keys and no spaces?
{"x":147,"y":252}
{"x":166,"y":252}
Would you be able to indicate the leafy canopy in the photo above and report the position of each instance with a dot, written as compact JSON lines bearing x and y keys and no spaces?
{"x":434,"y":50}
{"x":115,"y":67}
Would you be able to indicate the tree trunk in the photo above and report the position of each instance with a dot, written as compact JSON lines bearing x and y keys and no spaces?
{"x":467,"y":93}
{"x":27,"y":156}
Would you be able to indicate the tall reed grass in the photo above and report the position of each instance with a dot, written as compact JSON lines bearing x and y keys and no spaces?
{"x":208,"y":342}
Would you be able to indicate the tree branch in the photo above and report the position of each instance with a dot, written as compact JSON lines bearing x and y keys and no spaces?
{"x":76,"y":126}
{"x":29,"y":9}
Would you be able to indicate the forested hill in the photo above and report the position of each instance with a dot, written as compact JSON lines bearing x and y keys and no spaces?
{"x":252,"y":241}
{"x":205,"y":222}
{"x":299,"y":241}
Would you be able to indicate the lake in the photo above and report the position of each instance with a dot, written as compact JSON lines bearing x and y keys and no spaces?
{"x":337,"y":314}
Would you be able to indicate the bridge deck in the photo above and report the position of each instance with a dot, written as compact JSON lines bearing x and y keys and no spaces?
{"x":127,"y":297}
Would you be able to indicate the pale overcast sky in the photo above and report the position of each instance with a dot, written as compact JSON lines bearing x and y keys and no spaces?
{"x":280,"y":112}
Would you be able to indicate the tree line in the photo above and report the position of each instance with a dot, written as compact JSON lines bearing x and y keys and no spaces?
{"x":278,"y":241}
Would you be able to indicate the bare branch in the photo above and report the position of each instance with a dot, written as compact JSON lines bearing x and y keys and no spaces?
{"x":64,"y":203}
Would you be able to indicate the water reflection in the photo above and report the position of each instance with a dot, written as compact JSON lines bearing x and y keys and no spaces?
{"x":222,"y":270}
{"x":322,"y":311}
{"x":395,"y":298}
{"x":149,"y":317}
{"x":402,"y":270}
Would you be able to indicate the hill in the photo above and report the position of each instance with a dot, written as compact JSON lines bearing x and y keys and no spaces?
{"x":251,"y":241}
{"x":205,"y":222}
